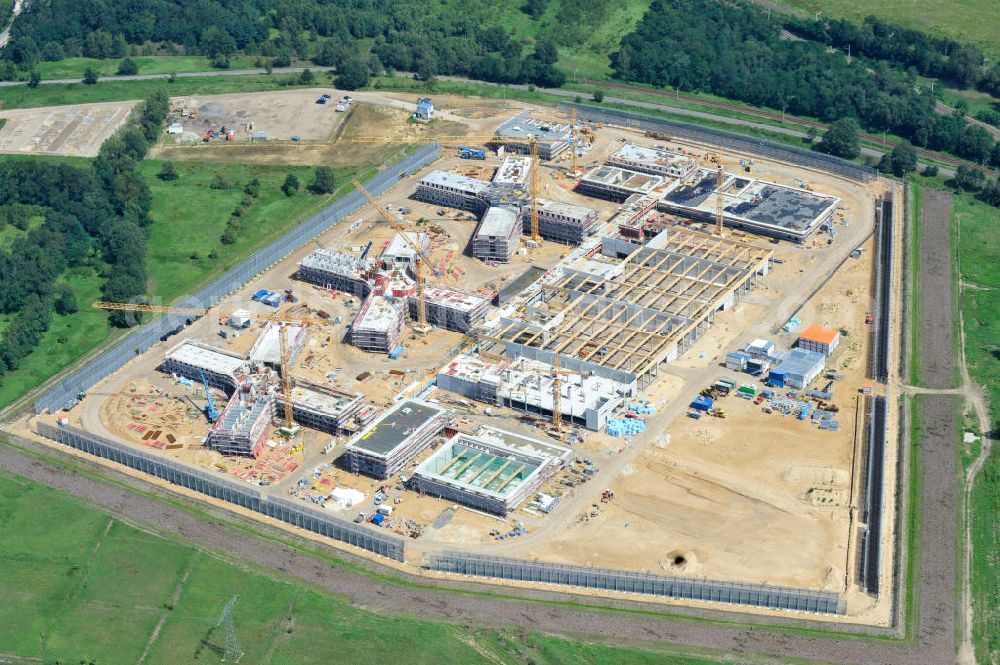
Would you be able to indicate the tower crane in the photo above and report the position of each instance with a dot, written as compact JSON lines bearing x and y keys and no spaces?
{"x":418,"y":263}
{"x":462,"y":141}
{"x":720,"y":177}
{"x":285,"y":359}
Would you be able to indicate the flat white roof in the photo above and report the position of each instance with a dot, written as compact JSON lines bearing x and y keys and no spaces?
{"x":459,"y":300}
{"x":379,"y":313}
{"x":460,"y":182}
{"x":206,"y":358}
{"x":399,"y":247}
{"x":652,"y":156}
{"x":329,"y":402}
{"x":498,"y":221}
{"x":613,"y":176}
{"x":567,"y":209}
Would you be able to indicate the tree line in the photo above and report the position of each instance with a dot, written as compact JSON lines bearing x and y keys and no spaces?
{"x":89,"y":216}
{"x":734,"y":51}
{"x":961,"y":65}
{"x":461,"y":38}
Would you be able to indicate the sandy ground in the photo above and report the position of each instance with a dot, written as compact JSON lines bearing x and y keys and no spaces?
{"x":751,"y":497}
{"x":370,"y":130}
{"x":74,"y":131}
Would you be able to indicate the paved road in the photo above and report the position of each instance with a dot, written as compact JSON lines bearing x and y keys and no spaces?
{"x":558,"y":92}
{"x":5,"y":35}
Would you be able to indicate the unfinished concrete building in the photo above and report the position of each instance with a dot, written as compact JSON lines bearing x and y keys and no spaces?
{"x":400,"y":253}
{"x":452,"y":190}
{"x":451,"y":309}
{"x":526,"y":385}
{"x":616,"y":184}
{"x":497,"y":236}
{"x":633,"y":221}
{"x":244,"y":426}
{"x":623,"y":320}
{"x":328,"y":408}
{"x":387,"y":445}
{"x":761,"y":207}
{"x":191,"y":359}
{"x":654,"y":161}
{"x":338,"y":271}
{"x":562,"y":222}
{"x":552,"y":139}
{"x":514,"y":172}
{"x":267,"y":348}
{"x":378,"y":327}
{"x":492,"y":470}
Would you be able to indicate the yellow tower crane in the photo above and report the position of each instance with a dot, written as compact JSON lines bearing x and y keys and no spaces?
{"x":419,"y":260}
{"x":286,"y":369}
{"x":719,"y":201}
{"x":457,"y":142}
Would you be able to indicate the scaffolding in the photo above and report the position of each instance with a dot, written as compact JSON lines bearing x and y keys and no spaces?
{"x":378,"y":326}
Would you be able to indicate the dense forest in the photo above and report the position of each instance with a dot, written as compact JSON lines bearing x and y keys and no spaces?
{"x":460,"y":37}
{"x":88,"y":216}
{"x":960,"y":65}
{"x":734,"y":51}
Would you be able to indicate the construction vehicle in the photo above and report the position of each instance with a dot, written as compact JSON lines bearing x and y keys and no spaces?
{"x":659,"y":136}
{"x":286,"y":371}
{"x":210,"y":411}
{"x":869,"y":318}
{"x":471,"y":153}
{"x":420,"y":261}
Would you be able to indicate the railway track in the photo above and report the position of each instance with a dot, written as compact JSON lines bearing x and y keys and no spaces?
{"x":781,"y":117}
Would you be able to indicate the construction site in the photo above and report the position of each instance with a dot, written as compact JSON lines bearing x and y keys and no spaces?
{"x":559,"y":340}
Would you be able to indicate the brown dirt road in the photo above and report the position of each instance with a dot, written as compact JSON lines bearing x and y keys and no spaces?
{"x":937,"y":355}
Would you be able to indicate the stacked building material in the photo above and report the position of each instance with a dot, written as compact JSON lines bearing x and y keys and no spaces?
{"x":378,"y":326}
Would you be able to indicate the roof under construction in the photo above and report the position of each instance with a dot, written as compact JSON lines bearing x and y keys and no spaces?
{"x":395,"y":427}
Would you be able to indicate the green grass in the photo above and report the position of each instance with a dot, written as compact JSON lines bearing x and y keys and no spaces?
{"x":67,"y":340}
{"x":160,"y":64}
{"x":78,"y":584}
{"x":979,"y":252}
{"x":971,"y":21}
{"x":188,"y":216}
{"x":21,"y":96}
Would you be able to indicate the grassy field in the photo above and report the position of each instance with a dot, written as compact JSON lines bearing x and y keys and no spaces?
{"x":95,"y":589}
{"x":972,"y":21}
{"x":979,"y":253}
{"x":21,"y":96}
{"x":189,"y":217}
{"x":160,"y":64}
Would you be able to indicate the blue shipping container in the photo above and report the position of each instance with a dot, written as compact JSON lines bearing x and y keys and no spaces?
{"x":377,"y":519}
{"x":396,"y":353}
{"x":776,"y":378}
{"x":701,"y":403}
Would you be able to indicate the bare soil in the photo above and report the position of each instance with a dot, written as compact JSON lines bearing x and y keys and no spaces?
{"x":73,"y":131}
{"x":937,"y":337}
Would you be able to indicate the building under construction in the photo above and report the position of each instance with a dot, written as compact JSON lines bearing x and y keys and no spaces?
{"x":498,"y":234}
{"x":552,"y":139}
{"x":328,"y":408}
{"x":453,"y":191}
{"x":514,"y":172}
{"x":623,"y":319}
{"x":387,"y":445}
{"x":400,"y":253}
{"x":192,"y":360}
{"x":245,"y":424}
{"x":761,"y":207}
{"x":338,"y":271}
{"x":492,"y":470}
{"x":267,"y":348}
{"x":617,"y":184}
{"x":378,"y":326}
{"x":527,"y":385}
{"x":562,"y":222}
{"x":654,"y":161}
{"x":451,"y":309}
